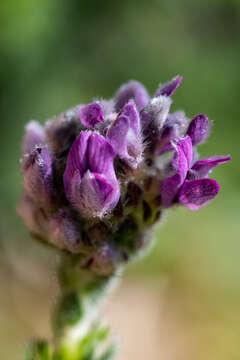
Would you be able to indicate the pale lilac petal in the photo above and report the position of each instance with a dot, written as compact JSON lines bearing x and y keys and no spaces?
{"x":33,"y":216}
{"x":170,"y":87}
{"x":131,"y":90}
{"x":90,"y":115}
{"x":97,"y":195}
{"x":34,"y":135}
{"x":38,"y":175}
{"x":181,"y":163}
{"x":198,"y":129}
{"x":64,"y":231}
{"x":197,"y":193}
{"x":203,"y":167}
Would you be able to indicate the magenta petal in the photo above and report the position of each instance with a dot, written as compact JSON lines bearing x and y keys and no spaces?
{"x":34,"y":135}
{"x":197,"y":193}
{"x":90,"y":115}
{"x":181,"y":163}
{"x":202,"y":167}
{"x":131,"y":90}
{"x":170,"y":87}
{"x":198,"y":129}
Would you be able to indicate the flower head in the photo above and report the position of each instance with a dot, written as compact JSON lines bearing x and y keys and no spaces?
{"x":98,"y":176}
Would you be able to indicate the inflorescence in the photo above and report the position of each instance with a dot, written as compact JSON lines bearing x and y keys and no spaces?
{"x":98,"y":176}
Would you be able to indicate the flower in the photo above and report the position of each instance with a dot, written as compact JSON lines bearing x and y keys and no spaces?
{"x":90,"y":182}
{"x":188,"y":184}
{"x":125,"y":135}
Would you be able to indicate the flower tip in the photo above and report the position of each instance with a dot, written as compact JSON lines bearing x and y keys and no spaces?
{"x":34,"y":135}
{"x":90,"y":115}
{"x":170,"y":87}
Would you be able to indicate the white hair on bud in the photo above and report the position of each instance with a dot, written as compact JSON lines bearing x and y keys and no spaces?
{"x":159,"y":109}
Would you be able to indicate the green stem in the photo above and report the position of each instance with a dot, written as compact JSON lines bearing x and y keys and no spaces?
{"x":77,"y":332}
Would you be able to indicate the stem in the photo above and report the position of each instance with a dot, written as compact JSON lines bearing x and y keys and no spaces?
{"x":77,"y":332}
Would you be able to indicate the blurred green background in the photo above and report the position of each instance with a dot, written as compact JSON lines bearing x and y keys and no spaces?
{"x":57,"y":53}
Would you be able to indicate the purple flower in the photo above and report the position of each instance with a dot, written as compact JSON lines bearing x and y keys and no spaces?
{"x":170,"y":87}
{"x":125,"y":135}
{"x":131,"y":90}
{"x":188,"y":185}
{"x":38,"y":175}
{"x":90,"y":182}
{"x":34,"y":135}
{"x":90,"y":115}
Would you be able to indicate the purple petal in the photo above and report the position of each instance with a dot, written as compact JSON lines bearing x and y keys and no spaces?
{"x":202,"y":167}
{"x":89,"y":180}
{"x":181,"y":163}
{"x":34,"y":135}
{"x":97,"y":195}
{"x":117,"y":135}
{"x":90,"y":115}
{"x":77,"y":161}
{"x":38,"y":175}
{"x":130,"y":111}
{"x":197,"y":193}
{"x":198,"y":129}
{"x":170,"y":87}
{"x":100,"y":155}
{"x":131,"y":90}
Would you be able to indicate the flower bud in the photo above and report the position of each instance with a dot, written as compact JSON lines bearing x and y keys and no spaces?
{"x":38,"y":176}
{"x":131,"y":90}
{"x":34,"y":135}
{"x":170,"y":87}
{"x":64,"y":231}
{"x":198,"y":129}
{"x":90,"y":115}
{"x":125,"y":135}
{"x":33,"y":216}
{"x":90,"y":182}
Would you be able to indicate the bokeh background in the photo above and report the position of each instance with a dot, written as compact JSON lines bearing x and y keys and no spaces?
{"x":182,"y":301}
